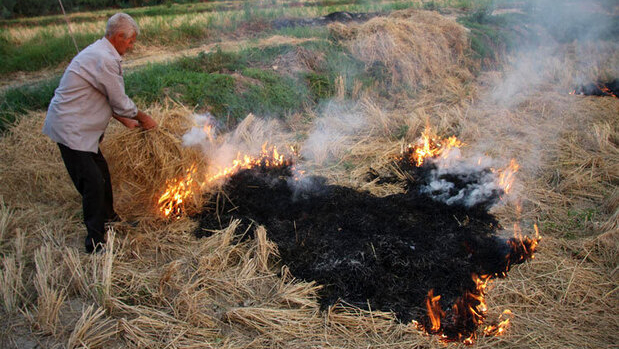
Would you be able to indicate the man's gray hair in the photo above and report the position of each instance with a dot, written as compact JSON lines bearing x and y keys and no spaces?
{"x":121,"y":23}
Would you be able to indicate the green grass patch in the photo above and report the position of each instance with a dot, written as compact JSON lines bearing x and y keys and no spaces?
{"x":205,"y":82}
{"x":229,"y":84}
{"x":159,"y":32}
{"x":274,"y":96}
{"x":42,"y":51}
{"x":17,"y":101}
{"x":320,"y":86}
{"x":156,"y":82}
{"x":493,"y":36}
{"x":217,"y":61}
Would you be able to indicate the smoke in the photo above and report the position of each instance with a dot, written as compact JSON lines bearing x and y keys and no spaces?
{"x":334,"y":133}
{"x":250,"y":137}
{"x":339,"y":126}
{"x":465,"y":181}
{"x":203,"y":133}
{"x":524,"y":110}
{"x":568,"y":44}
{"x":513,"y":118}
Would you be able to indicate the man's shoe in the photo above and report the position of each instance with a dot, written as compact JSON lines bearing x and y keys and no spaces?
{"x":114,"y":219}
{"x":92,"y":247}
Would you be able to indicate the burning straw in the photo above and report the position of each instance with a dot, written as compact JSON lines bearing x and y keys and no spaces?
{"x":349,"y":241}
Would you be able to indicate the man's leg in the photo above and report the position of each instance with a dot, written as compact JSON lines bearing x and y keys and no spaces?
{"x":110,"y":214}
{"x":90,"y":183}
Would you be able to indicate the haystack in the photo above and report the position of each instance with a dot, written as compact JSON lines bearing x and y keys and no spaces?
{"x":417,"y":48}
{"x":141,"y":162}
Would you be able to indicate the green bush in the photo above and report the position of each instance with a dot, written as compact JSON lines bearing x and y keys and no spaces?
{"x":320,"y":86}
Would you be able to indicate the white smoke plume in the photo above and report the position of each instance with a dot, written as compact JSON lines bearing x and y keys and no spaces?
{"x":334,"y":133}
{"x":466,"y":181}
{"x":248,"y":138}
{"x":525,"y":109}
{"x":203,"y":133}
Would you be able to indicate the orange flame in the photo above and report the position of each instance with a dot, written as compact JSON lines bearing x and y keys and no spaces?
{"x":434,"y":310}
{"x":501,"y":327}
{"x":269,"y":157}
{"x":209,"y":130}
{"x":472,"y":306}
{"x":523,"y":247}
{"x":606,"y":90}
{"x":507,"y":176}
{"x":172,"y":202}
{"x":429,"y":146}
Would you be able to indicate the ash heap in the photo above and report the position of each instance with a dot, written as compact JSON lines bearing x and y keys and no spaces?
{"x":425,"y":254}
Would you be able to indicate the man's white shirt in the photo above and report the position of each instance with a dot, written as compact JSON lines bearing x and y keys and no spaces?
{"x":91,"y":88}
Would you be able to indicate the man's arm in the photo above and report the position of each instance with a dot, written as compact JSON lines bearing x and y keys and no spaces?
{"x":145,"y":120}
{"x":129,"y":123}
{"x":141,"y":119}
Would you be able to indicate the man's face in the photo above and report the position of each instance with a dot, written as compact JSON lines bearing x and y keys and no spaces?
{"x":123,"y":44}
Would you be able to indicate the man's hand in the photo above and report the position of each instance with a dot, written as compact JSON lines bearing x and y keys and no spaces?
{"x":145,"y":120}
{"x":129,"y":123}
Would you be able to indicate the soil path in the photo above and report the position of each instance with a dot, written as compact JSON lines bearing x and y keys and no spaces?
{"x":143,"y":56}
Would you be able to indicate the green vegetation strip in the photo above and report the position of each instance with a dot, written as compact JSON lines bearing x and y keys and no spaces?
{"x":101,"y":9}
{"x":48,"y":49}
{"x":229,"y":85}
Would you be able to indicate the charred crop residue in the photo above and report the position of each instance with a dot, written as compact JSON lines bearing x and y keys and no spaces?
{"x":387,"y":252}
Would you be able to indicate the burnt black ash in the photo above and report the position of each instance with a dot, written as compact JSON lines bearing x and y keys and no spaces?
{"x":602,"y":89}
{"x":387,"y":252}
{"x":340,"y":16}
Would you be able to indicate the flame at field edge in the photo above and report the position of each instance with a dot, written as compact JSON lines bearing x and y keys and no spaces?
{"x":172,"y":203}
{"x":472,"y":306}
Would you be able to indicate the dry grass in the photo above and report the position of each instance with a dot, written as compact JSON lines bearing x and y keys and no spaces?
{"x":92,"y":330}
{"x":418,"y":48}
{"x":50,"y":297}
{"x":141,"y":166}
{"x":164,"y":288}
{"x":159,"y":287}
{"x":11,"y":284}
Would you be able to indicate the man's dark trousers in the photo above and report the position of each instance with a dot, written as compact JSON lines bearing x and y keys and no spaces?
{"x":91,"y":178}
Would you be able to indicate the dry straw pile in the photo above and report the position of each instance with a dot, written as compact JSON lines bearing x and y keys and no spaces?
{"x":159,"y":287}
{"x":417,"y":48}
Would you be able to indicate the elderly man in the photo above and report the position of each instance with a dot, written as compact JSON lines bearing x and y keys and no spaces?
{"x":90,"y":93}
